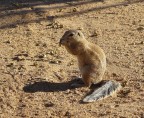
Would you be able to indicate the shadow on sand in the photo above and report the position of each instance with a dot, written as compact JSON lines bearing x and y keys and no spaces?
{"x":44,"y":86}
{"x":7,"y":5}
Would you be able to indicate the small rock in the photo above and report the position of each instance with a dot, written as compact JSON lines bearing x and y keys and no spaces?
{"x":114,"y":75}
{"x":108,"y":112}
{"x":124,"y":83}
{"x":52,"y":61}
{"x":50,"y":52}
{"x":134,"y":22}
{"x":10,"y":65}
{"x":80,"y":28}
{"x":125,"y":92}
{"x":8,"y":42}
{"x":71,"y":63}
{"x":21,"y":67}
{"x":24,"y":54}
{"x":44,"y":45}
{"x":18,"y":58}
{"x":58,"y":76}
{"x":59,"y":61}
{"x":77,"y":92}
{"x":116,"y":105}
{"x":101,"y":105}
{"x":60,"y":26}
{"x":140,"y":28}
{"x":35,"y":64}
{"x":74,"y":10}
{"x":36,"y":114}
{"x":49,"y":105}
{"x":60,"y":10}
{"x":68,"y":114}
{"x":138,"y":86}
{"x":37,"y":44}
{"x":126,"y":54}
{"x":68,"y":91}
{"x":55,"y":25}
{"x":94,"y":34}
{"x":142,"y":42}
{"x":112,"y":106}
{"x":41,"y":56}
{"x":22,"y":105}
{"x":50,"y":17}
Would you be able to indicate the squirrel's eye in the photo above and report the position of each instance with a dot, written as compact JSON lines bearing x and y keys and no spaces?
{"x":71,"y":34}
{"x":78,"y":33}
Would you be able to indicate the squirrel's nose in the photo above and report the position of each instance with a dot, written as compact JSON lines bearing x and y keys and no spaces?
{"x":61,"y":42}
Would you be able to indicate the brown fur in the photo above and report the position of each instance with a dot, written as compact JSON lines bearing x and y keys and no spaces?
{"x":91,"y":58}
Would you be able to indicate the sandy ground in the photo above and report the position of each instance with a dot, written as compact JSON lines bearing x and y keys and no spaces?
{"x":35,"y":73}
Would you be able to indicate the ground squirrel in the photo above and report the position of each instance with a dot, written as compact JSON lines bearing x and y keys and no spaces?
{"x":91,"y":62}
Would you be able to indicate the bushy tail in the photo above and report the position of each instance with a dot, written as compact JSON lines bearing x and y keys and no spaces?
{"x":104,"y":91}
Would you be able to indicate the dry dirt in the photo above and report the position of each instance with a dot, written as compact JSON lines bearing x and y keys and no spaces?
{"x":35,"y":73}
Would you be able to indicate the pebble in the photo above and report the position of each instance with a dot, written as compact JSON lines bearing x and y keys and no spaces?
{"x":35,"y":64}
{"x":68,"y":114}
{"x":42,"y":56}
{"x":55,"y":25}
{"x":60,"y":10}
{"x":142,"y":42}
{"x":74,"y":9}
{"x":71,"y":63}
{"x":116,"y":105}
{"x":125,"y":92}
{"x":114,"y":75}
{"x":10,"y":65}
{"x":80,"y":28}
{"x":140,"y":28}
{"x":44,"y":45}
{"x":112,"y":106}
{"x":19,"y":58}
{"x":68,"y":91}
{"x":8,"y":42}
{"x":55,"y":61}
{"x":77,"y":92}
{"x":95,"y":34}
{"x":49,"y":104}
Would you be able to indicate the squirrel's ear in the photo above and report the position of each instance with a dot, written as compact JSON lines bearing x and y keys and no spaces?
{"x":72,"y":33}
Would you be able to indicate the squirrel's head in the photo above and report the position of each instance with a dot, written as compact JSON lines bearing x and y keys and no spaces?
{"x":71,"y":37}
